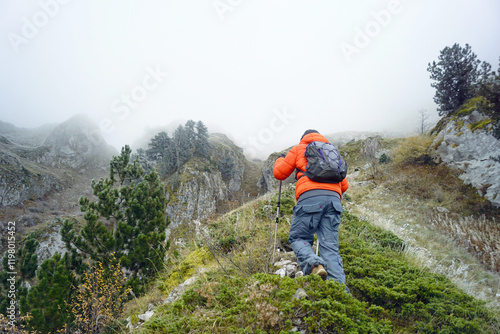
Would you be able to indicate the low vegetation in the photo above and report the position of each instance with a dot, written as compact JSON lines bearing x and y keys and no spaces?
{"x":236,"y":294}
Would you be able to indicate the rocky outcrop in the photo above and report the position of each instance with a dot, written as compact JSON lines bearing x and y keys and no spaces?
{"x":467,"y":143}
{"x":206,"y":185}
{"x":197,"y":195}
{"x":50,"y":243}
{"x":288,"y":268}
{"x":21,"y":180}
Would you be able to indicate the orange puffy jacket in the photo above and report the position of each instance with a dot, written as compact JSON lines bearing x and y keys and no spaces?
{"x":296,"y":158}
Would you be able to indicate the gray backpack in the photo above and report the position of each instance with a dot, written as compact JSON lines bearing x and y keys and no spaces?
{"x":324,"y":163}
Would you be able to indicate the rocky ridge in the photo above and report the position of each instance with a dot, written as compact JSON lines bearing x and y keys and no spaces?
{"x":196,"y":192}
{"x":21,"y":179}
{"x":30,"y":171}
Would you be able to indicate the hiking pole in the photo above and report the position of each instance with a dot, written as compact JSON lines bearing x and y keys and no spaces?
{"x":277,"y":218}
{"x":317,"y":247}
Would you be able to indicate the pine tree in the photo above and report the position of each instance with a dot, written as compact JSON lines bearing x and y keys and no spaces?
{"x":190,"y":135}
{"x":169,"y":164}
{"x":489,"y":86}
{"x":161,"y":150}
{"x":128,"y":219}
{"x":454,"y":75}
{"x":47,"y":301}
{"x":202,"y":145}
{"x":142,"y":157}
{"x":181,"y":147}
{"x":159,"y":146}
{"x":28,"y":259}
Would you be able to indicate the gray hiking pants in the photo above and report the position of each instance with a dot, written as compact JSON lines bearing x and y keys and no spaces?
{"x":321,"y":215}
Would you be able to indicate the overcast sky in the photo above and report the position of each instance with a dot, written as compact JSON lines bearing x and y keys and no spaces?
{"x":262,"y":71}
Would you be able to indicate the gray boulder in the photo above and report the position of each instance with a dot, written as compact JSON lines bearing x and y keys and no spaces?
{"x":474,"y":151}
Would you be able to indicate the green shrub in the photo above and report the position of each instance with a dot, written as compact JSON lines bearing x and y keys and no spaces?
{"x":287,"y":201}
{"x":415,"y":299}
{"x":265,"y":304}
{"x":384,"y":159}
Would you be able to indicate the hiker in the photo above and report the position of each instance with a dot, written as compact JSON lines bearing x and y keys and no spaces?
{"x":317,"y":210}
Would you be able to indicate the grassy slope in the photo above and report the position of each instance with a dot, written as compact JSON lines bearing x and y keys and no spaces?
{"x":447,"y":226}
{"x":389,"y":292}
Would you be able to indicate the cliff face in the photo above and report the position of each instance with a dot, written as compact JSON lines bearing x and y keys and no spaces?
{"x":20,"y":178}
{"x":467,"y":143}
{"x":197,"y":195}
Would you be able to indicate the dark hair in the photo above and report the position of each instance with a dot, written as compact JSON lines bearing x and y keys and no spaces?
{"x":308,"y":131}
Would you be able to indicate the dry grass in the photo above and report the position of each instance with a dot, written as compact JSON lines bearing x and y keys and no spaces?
{"x":478,"y":235}
{"x":411,"y":149}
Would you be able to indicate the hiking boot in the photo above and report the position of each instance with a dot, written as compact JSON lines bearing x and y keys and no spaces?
{"x":319,"y":270}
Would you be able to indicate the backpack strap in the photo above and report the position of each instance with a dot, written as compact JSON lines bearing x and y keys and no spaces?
{"x":297,"y":170}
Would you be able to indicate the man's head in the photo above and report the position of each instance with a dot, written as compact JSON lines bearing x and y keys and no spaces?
{"x":308,"y":132}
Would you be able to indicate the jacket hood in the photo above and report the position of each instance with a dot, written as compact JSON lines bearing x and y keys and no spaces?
{"x":310,"y":137}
